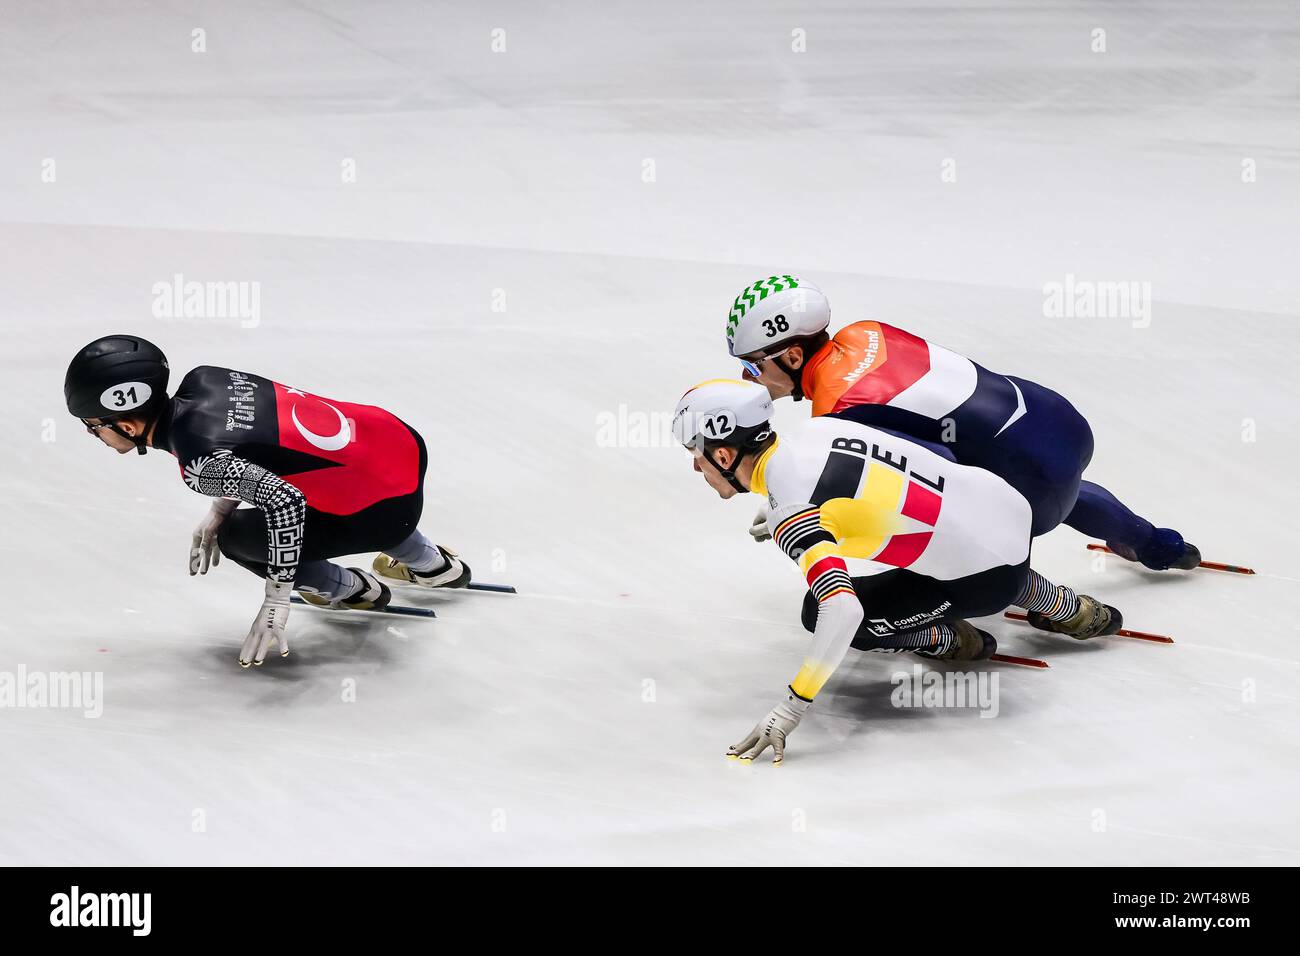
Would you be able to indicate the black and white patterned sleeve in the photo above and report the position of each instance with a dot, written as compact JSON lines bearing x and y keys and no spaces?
{"x":223,"y":474}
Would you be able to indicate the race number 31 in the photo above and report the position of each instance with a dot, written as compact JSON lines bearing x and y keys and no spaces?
{"x":126,"y":396}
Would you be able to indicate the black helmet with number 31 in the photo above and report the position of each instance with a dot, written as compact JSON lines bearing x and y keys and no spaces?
{"x":116,"y":377}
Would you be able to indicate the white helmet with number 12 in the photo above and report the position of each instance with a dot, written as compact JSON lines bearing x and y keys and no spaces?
{"x":724,"y":412}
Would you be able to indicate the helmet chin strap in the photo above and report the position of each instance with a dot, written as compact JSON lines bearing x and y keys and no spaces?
{"x":141,"y":441}
{"x":728,"y":473}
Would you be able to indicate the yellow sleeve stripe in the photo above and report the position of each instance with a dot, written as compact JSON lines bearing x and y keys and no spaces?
{"x":818,"y":551}
{"x":810,"y":679}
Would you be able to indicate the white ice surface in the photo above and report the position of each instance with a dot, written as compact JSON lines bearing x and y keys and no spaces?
{"x":515,"y":729}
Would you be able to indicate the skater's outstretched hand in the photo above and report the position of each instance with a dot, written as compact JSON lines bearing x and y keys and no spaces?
{"x":772,"y":730}
{"x":269,"y":625}
{"x":203,"y":543}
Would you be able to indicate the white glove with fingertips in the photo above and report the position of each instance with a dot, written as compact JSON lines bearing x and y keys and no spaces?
{"x":772,"y":730}
{"x":268,"y":626}
{"x":203,"y":543}
{"x":759,"y":530}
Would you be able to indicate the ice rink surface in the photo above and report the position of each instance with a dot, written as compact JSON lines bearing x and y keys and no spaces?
{"x":543,"y":240}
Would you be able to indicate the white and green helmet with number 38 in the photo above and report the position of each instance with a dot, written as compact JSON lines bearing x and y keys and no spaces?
{"x":771,"y":314}
{"x":724,"y":412}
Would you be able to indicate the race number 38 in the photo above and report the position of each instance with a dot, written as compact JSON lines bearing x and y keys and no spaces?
{"x":124,"y":397}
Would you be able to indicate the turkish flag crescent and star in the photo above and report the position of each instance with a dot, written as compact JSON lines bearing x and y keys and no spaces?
{"x":375,"y":452}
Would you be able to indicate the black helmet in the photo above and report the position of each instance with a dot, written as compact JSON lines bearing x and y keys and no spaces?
{"x":116,"y":376}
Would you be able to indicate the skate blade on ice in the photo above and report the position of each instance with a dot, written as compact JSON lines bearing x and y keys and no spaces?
{"x":401,"y":610}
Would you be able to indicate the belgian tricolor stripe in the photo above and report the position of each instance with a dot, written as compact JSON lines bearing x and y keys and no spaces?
{"x":801,"y":532}
{"x":829,"y":577}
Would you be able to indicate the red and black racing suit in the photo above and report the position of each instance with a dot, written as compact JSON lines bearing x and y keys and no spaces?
{"x":326,"y":478}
